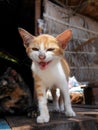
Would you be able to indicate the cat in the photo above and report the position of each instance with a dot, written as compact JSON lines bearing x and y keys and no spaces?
{"x":15,"y":97}
{"x":49,"y":68}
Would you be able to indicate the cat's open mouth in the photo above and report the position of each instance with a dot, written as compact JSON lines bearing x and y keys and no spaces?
{"x":43,"y":65}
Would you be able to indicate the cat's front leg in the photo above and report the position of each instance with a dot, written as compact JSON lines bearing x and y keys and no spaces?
{"x":42,"y":102}
{"x":44,"y":114}
{"x":67,"y":103}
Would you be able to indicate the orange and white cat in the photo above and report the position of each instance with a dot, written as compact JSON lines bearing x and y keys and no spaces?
{"x":49,"y":68}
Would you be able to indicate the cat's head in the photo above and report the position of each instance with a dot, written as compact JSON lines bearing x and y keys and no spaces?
{"x":45,"y":49}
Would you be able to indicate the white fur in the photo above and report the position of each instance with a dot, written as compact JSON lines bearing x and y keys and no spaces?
{"x":53,"y":76}
{"x":49,"y":69}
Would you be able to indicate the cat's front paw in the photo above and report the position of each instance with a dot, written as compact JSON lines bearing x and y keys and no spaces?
{"x":43,"y":119}
{"x":70,"y":113}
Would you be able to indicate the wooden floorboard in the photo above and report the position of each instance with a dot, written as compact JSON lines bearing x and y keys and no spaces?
{"x":57,"y":122}
{"x":85,"y":106}
{"x":86,"y":119}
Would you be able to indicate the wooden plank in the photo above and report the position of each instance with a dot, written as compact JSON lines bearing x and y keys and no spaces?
{"x":4,"y":125}
{"x":57,"y":121}
{"x":70,"y":25}
{"x":88,"y":113}
{"x":87,"y":117}
{"x":87,"y":110}
{"x":20,"y":122}
{"x":78,"y":106}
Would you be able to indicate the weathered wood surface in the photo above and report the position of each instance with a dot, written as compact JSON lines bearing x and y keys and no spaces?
{"x":86,"y":119}
{"x":84,"y":62}
{"x":88,"y":7}
{"x":79,"y":107}
{"x":57,"y":122}
{"x":88,"y":110}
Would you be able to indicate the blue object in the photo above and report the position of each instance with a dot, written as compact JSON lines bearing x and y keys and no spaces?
{"x":4,"y":125}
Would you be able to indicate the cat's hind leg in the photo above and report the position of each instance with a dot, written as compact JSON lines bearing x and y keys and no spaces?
{"x":55,"y":100}
{"x":61,"y":102}
{"x":67,"y":102}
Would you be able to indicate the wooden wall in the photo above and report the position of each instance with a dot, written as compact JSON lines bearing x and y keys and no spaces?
{"x":57,"y":19}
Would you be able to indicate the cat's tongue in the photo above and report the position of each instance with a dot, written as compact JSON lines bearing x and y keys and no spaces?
{"x":43,"y":65}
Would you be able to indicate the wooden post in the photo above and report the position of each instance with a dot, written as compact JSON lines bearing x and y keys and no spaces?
{"x":37,"y":13}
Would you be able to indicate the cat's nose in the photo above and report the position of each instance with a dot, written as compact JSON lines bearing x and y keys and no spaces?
{"x":42,"y":56}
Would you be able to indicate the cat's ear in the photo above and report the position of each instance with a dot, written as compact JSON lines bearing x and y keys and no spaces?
{"x":64,"y":38}
{"x":26,"y":36}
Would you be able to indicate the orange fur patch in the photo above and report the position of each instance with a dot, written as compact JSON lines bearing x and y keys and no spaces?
{"x":65,"y":67}
{"x":40,"y":95}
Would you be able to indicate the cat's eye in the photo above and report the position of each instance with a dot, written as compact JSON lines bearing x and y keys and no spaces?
{"x":50,"y":49}
{"x":35,"y":49}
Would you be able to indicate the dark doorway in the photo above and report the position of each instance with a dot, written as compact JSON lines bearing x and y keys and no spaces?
{"x":14,"y":14}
